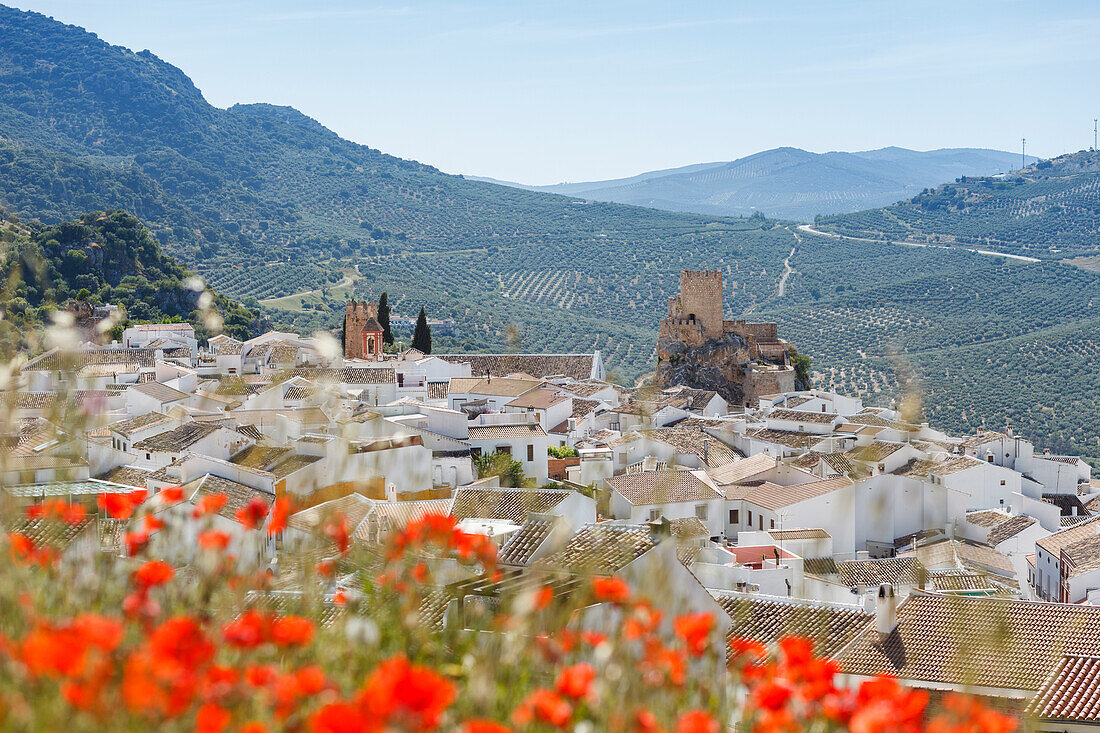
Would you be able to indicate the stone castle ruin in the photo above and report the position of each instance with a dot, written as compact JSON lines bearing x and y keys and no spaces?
{"x":698,"y":348}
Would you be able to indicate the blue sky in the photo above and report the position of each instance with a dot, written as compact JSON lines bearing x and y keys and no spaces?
{"x":543,"y":92}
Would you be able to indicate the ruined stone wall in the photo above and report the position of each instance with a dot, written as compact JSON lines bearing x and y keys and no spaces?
{"x":759,"y":382}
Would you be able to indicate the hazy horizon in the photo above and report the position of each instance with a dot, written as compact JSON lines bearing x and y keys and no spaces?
{"x":546,"y":93}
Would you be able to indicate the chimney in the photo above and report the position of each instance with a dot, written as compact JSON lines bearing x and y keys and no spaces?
{"x":706,"y":451}
{"x":886,"y":610}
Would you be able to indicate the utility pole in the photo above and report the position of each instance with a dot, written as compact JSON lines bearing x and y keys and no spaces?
{"x":1023,"y":150}
{"x":1094,"y":134}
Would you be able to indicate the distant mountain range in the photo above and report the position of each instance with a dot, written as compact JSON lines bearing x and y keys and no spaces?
{"x":790,"y":183}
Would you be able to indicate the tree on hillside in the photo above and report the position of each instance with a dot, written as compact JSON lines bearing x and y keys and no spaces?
{"x":422,"y":335}
{"x":384,"y":318}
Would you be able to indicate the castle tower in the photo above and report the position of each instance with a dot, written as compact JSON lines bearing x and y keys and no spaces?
{"x":362,"y":331}
{"x":701,"y":300}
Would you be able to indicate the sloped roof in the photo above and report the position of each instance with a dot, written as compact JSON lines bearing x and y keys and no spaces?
{"x":895,"y":570}
{"x":575,"y":366}
{"x":604,"y":548}
{"x":1056,"y":542}
{"x":511,"y":504}
{"x":768,"y":495}
{"x":736,"y":471}
{"x":177,"y":439}
{"x":127,"y":476}
{"x":966,"y":641}
{"x":691,"y":440}
{"x":519,"y":548}
{"x":802,"y":416}
{"x":661,"y":487}
{"x":1072,"y":691}
{"x":768,"y":620}
{"x":505,"y":432}
{"x":238,"y":495}
{"x":160,"y":392}
{"x":141,"y":422}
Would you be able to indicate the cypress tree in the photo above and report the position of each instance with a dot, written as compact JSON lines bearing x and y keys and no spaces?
{"x":384,"y":318}
{"x":422,"y":335}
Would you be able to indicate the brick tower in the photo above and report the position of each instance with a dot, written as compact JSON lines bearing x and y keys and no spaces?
{"x":362,"y":331}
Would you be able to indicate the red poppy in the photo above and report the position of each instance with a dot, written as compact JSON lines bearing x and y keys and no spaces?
{"x":613,"y":590}
{"x":696,"y":721}
{"x":291,"y":631}
{"x":151,"y":523}
{"x":646,"y":722}
{"x":253,"y":726}
{"x":483,"y":726}
{"x":211,"y":718}
{"x":121,"y":506}
{"x":170,"y":495}
{"x":400,"y":691}
{"x":213,"y":539}
{"x":282,"y":508}
{"x":339,"y":717}
{"x":252,"y":513}
{"x":694,"y":629}
{"x":248,"y":630}
{"x":336,"y":529}
{"x":210,"y":504}
{"x":576,"y":681}
{"x":544,"y":706}
{"x":153,"y":572}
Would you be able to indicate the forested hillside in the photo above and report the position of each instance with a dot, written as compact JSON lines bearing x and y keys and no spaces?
{"x":1050,"y":210}
{"x":99,"y":258}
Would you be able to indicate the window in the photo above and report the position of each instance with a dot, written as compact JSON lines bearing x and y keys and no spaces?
{"x":989,"y":458}
{"x":530,"y":452}
{"x":1002,"y":482}
{"x":760,"y":521}
{"x":701,"y":511}
{"x":750,"y":518}
{"x":506,"y":449}
{"x":734,"y":518}
{"x":148,"y":457}
{"x":772,"y":524}
{"x":654,"y":515}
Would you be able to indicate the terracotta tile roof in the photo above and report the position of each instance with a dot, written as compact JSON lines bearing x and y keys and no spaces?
{"x":960,"y":555}
{"x":583,"y":408}
{"x":251,"y":431}
{"x":495,"y":387}
{"x":966,"y":641}
{"x":177,"y":439}
{"x":874,"y":452}
{"x":582,"y":389}
{"x":354,"y":507}
{"x":538,"y":399}
{"x":505,"y":432}
{"x":1055,"y":543}
{"x":238,"y":494}
{"x":160,"y":392}
{"x":519,"y":548}
{"x":948,"y":581}
{"x":390,"y":516}
{"x":1002,"y":526}
{"x":987,"y":518}
{"x":604,"y":548}
{"x":232,"y":348}
{"x":574,"y":366}
{"x":126,"y":475}
{"x":259,"y":456}
{"x":1071,"y":693}
{"x":141,"y":422}
{"x":798,"y":534}
{"x":820,"y":566}
{"x":50,"y":533}
{"x":349,"y":375}
{"x":918,"y":468}
{"x":980,"y":438}
{"x":510,"y":504}
{"x":803,"y":416}
{"x":739,"y":470}
{"x":894,"y":570}
{"x":1082,"y":556}
{"x":768,"y":620}
{"x":437,"y":390}
{"x":661,"y":487}
{"x":1069,"y":505}
{"x":789,"y":438}
{"x":55,"y":360}
{"x":687,"y":528}
{"x":771,"y":496}
{"x":691,"y":440}
{"x":838,"y":462}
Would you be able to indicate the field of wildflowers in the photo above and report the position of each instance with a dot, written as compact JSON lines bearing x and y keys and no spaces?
{"x":129,"y":642}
